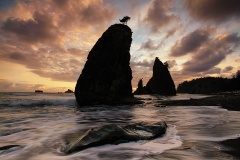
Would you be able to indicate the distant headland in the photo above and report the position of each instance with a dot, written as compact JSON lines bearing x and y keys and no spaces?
{"x":210,"y":85}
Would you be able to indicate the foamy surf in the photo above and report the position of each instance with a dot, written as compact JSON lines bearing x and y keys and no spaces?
{"x":39,"y":131}
{"x":37,"y":103}
{"x":139,"y":149}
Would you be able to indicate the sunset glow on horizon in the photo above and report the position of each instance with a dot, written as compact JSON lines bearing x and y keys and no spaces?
{"x":44,"y":43}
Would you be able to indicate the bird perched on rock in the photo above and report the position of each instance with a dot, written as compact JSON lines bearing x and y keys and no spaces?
{"x":124,"y":20}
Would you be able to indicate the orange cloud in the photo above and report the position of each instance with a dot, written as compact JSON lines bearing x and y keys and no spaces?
{"x":52,"y":37}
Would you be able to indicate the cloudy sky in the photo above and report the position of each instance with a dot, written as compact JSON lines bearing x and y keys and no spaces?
{"x":44,"y":43}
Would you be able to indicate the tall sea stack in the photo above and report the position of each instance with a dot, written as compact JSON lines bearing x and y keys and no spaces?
{"x":161,"y":82}
{"x":106,"y":76}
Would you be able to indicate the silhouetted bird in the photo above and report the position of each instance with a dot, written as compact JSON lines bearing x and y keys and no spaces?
{"x":124,"y":20}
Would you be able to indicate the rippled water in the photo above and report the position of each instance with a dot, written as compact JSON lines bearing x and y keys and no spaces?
{"x":38,"y":123}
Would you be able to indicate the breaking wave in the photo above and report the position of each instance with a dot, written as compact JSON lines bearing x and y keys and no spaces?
{"x":35,"y":103}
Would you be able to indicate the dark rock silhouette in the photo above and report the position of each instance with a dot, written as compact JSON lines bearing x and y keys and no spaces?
{"x":69,"y":91}
{"x":106,"y":76}
{"x":113,"y":134}
{"x":141,"y":89}
{"x":8,"y":147}
{"x":161,"y":81}
{"x":237,"y":75}
{"x":125,"y":19}
{"x":38,"y":91}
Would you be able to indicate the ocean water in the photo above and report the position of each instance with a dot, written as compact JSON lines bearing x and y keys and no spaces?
{"x":37,"y":123}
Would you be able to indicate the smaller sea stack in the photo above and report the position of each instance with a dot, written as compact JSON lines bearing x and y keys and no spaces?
{"x":141,"y":89}
{"x":161,"y":82}
{"x":69,"y":91}
{"x":38,"y":91}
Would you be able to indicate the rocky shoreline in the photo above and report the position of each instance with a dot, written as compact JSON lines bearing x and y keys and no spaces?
{"x":227,"y":101}
{"x":106,"y":76}
{"x":232,"y":147}
{"x":113,"y":134}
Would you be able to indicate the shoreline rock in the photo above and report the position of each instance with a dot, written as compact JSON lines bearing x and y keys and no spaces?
{"x":233,"y":147}
{"x":106,"y":76}
{"x":230,"y":102}
{"x":68,"y":91}
{"x":141,"y":89}
{"x":113,"y":134}
{"x":38,"y":91}
{"x":161,"y":82}
{"x":8,"y":147}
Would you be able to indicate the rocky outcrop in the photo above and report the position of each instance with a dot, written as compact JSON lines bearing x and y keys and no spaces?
{"x":141,"y":89}
{"x":113,"y":134}
{"x":106,"y":76}
{"x":38,"y":91}
{"x":161,"y":81}
{"x":69,"y":91}
{"x":8,"y":147}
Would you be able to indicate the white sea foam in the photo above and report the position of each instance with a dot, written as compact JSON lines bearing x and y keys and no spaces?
{"x":191,"y":125}
{"x":43,"y":102}
{"x":139,"y":149}
{"x":21,"y":94}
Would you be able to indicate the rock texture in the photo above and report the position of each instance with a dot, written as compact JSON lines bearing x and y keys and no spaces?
{"x":106,"y":76}
{"x":113,"y":134}
{"x":161,"y":82}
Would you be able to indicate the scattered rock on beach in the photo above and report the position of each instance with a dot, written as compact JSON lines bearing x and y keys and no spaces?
{"x":113,"y":134}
